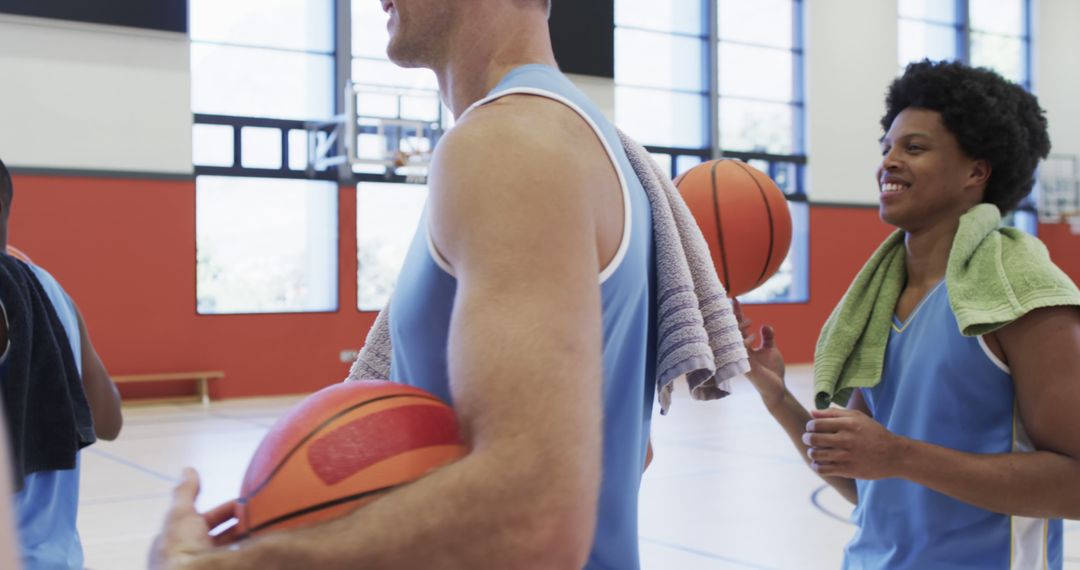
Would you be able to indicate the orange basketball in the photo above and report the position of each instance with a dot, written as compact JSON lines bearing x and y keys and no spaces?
{"x":17,"y":254}
{"x":340,"y":448}
{"x":744,"y":217}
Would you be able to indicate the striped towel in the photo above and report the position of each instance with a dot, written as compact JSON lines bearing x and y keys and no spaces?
{"x":698,"y":336}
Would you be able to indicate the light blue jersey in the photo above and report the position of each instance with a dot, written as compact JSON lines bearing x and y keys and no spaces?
{"x":424,"y":298}
{"x":948,"y":390}
{"x":47,"y":506}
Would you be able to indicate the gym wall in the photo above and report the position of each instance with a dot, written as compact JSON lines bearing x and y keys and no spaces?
{"x":81,"y":96}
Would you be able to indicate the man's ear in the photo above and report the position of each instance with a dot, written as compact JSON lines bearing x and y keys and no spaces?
{"x":980,"y":173}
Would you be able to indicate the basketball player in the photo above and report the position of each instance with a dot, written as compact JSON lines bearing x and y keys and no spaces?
{"x":931,"y":455}
{"x":47,"y":503}
{"x":525,"y":301}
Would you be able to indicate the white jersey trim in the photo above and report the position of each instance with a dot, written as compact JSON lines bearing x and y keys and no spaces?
{"x":437,"y":257}
{"x":1028,"y":537}
{"x":624,"y":243}
{"x":993,"y":357}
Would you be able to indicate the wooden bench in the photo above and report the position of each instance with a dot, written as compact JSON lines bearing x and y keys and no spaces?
{"x":202,"y":383}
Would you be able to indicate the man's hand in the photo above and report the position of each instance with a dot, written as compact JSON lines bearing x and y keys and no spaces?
{"x":766,"y":362}
{"x":848,"y":443}
{"x":186,"y":533}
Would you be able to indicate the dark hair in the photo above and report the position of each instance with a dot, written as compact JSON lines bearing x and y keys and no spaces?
{"x":6,"y":188}
{"x":993,"y":119}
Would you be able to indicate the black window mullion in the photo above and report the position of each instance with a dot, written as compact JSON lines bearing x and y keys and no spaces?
{"x":963,"y":31}
{"x":237,"y":145}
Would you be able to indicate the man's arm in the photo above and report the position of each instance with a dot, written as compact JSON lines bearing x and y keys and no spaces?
{"x":767,"y":376}
{"x":1043,"y":351}
{"x":9,"y":542}
{"x":510,"y":213}
{"x":101,"y":392}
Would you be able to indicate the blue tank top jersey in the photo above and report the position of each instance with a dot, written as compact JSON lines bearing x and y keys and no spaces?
{"x":47,"y":507}
{"x":948,"y":390}
{"x":424,"y":297}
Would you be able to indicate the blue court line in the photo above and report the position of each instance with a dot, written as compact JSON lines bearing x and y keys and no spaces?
{"x":703,"y":553}
{"x":814,"y":499}
{"x":152,"y":436}
{"x":133,"y":465}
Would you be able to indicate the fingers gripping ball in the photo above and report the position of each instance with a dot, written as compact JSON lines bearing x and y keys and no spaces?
{"x":339,"y":449}
{"x":744,"y":217}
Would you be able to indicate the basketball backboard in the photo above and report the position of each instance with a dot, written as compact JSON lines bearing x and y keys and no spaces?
{"x":1059,"y":190}
{"x":383,"y":130}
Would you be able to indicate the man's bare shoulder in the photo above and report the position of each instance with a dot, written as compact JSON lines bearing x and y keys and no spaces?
{"x":512,"y":166}
{"x":522,"y":128}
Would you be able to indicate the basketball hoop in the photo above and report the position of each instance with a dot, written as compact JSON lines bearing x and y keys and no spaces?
{"x":413,"y":166}
{"x":393,"y":144}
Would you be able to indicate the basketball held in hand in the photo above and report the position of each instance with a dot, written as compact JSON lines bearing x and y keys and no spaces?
{"x":341,"y":448}
{"x":744,"y":217}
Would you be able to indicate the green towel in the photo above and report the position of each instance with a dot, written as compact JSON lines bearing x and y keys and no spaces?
{"x":995,"y":275}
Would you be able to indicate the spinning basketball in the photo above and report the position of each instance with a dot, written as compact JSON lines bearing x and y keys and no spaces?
{"x":339,"y":449}
{"x":744,"y":218}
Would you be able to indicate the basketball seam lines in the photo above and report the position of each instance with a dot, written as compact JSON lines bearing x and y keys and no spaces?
{"x":318,"y":507}
{"x":719,"y":227}
{"x":768,"y":210}
{"x":314,"y":432}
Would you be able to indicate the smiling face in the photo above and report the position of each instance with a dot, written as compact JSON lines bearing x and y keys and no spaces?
{"x":924,"y":177}
{"x":419,"y":30}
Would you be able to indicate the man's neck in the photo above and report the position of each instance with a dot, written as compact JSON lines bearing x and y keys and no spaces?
{"x":480,"y":57}
{"x":928,"y":253}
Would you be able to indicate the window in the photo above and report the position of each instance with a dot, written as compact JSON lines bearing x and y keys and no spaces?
{"x":792,"y":279}
{"x":266,"y":236}
{"x":1000,"y":39}
{"x":759,"y":69}
{"x":386,"y":218}
{"x":386,"y":214}
{"x":983,"y":33}
{"x":262,"y":59}
{"x":265,"y":245}
{"x":661,"y":57}
{"x":666,"y":98}
{"x":930,"y":29}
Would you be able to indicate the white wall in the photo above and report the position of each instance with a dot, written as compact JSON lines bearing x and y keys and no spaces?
{"x":84,"y":96}
{"x":94,"y":97}
{"x":1057,"y":82}
{"x":851,"y":49}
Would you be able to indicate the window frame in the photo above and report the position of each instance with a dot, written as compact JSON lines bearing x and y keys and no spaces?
{"x":711,"y":44}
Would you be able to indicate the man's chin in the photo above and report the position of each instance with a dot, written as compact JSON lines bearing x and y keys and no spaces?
{"x":402,"y":57}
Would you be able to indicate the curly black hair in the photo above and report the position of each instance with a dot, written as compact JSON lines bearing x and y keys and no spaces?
{"x":993,"y":119}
